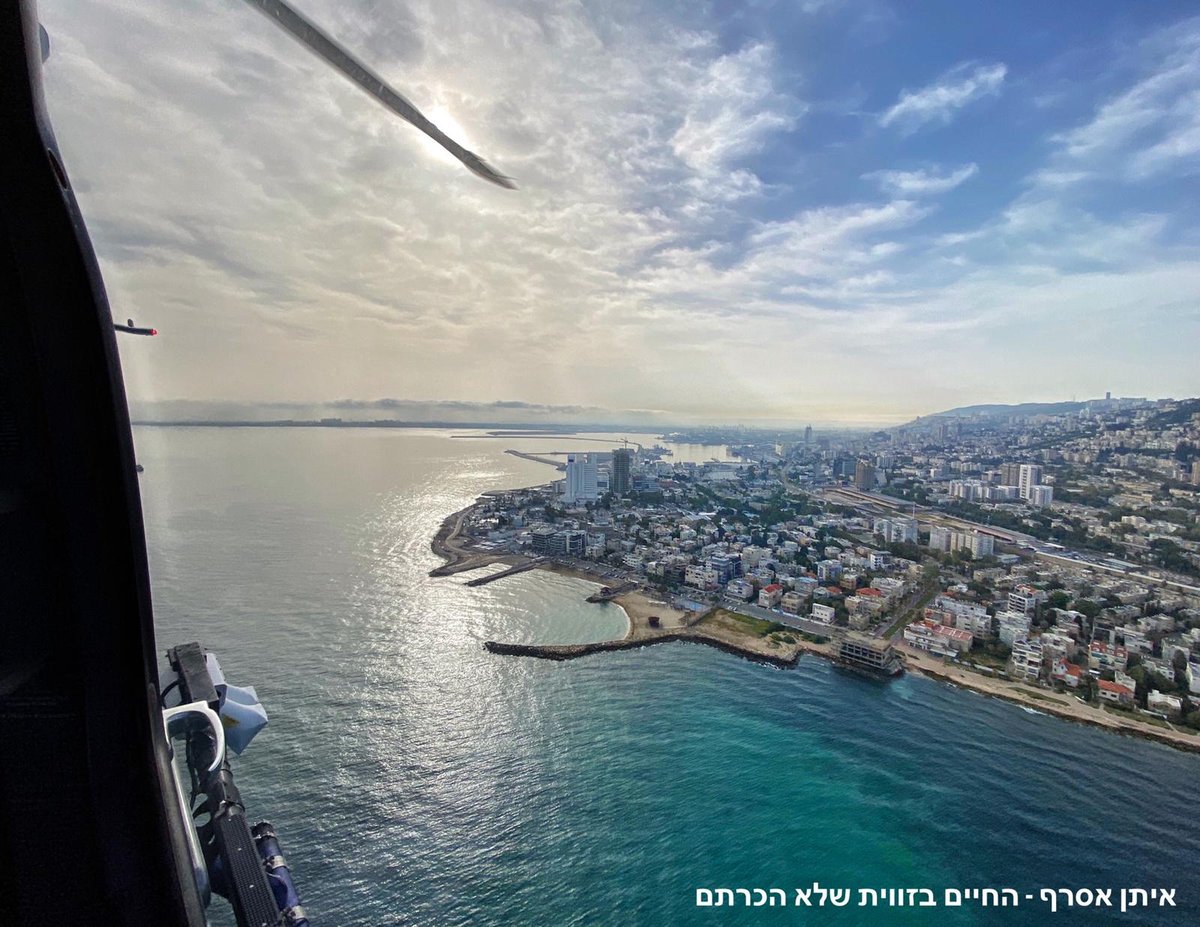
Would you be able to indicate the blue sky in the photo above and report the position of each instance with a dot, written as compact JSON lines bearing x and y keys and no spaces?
{"x":825,"y":210}
{"x":1022,"y":73}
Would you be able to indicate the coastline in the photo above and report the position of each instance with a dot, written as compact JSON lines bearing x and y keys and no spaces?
{"x":648,"y":620}
{"x":710,"y":627}
{"x":714,"y":628}
{"x":447,"y":543}
{"x":1063,"y":707}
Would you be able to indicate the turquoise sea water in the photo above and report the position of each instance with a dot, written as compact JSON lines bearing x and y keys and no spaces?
{"x":416,"y":779}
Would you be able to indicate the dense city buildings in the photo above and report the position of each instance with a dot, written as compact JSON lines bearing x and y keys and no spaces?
{"x":1059,"y":547}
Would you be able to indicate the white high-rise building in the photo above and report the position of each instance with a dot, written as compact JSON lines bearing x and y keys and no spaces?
{"x":1030,"y":476}
{"x":896,"y":530}
{"x":969,"y":490}
{"x":980,"y":545}
{"x":1041,"y":496}
{"x":581,"y":482}
{"x":948,"y":540}
{"x":1024,"y":600}
{"x":940,"y":538}
{"x":1012,"y":625}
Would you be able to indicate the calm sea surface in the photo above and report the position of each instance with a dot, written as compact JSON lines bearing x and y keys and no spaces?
{"x":416,"y":779}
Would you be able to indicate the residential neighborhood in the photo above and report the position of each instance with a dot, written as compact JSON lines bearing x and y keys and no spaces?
{"x":1060,"y":548}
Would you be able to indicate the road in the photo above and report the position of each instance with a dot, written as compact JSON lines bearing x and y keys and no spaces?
{"x":1043,"y":550}
{"x":792,"y":621}
{"x":917,"y":598}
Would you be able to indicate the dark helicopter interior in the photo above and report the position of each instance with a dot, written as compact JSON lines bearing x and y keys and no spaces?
{"x":83,"y":769}
{"x":88,"y":791}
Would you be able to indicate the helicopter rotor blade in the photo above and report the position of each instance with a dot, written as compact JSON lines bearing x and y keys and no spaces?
{"x":321,"y":44}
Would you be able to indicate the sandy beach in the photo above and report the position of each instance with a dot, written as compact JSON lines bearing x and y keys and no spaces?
{"x":639,"y":606}
{"x":653,"y":621}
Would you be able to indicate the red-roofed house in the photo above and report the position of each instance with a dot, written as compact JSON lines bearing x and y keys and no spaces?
{"x":1114,"y":692}
{"x":769,"y":596}
{"x":1067,"y":672}
{"x":1101,"y":656}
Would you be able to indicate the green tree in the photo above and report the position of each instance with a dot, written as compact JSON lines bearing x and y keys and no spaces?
{"x":1171,"y":557}
{"x":1179,"y":663}
{"x":1156,"y":680}
{"x":1058,"y":599}
{"x":1141,"y":690}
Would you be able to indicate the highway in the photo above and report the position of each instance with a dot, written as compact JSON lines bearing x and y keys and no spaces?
{"x":1043,"y":550}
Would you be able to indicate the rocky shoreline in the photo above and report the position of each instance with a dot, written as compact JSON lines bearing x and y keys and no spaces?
{"x":1188,"y":743}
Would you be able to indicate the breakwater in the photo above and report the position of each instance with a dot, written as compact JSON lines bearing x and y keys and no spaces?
{"x":560,"y":652}
{"x":451,"y":544}
{"x":537,"y":458}
{"x":511,"y":571}
{"x":607,"y":594}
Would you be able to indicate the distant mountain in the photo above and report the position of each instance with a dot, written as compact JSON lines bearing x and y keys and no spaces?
{"x":1177,"y":416}
{"x":999,"y":410}
{"x":435,"y":413}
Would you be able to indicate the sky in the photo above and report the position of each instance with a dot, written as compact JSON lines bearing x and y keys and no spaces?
{"x":812,"y":211}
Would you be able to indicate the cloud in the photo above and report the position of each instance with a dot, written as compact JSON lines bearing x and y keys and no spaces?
{"x":280,"y":221}
{"x":939,"y":101}
{"x":732,"y":108}
{"x":1149,"y":129}
{"x":817,"y":268}
{"x":921,"y":182}
{"x":677,"y":241}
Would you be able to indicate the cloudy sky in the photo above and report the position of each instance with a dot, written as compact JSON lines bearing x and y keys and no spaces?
{"x":817,"y":210}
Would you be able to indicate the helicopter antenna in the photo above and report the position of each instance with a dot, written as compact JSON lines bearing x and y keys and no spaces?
{"x":130,"y":329}
{"x":321,"y":44}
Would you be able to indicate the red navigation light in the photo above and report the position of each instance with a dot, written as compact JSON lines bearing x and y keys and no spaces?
{"x":154,"y":331}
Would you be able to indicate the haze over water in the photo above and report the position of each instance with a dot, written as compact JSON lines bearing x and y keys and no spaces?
{"x":416,"y":779}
